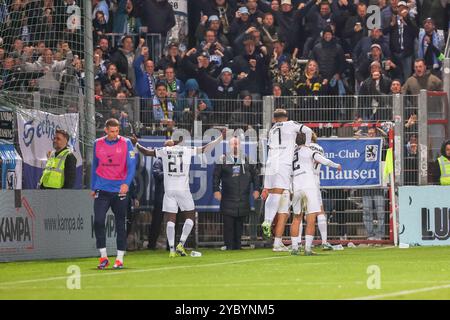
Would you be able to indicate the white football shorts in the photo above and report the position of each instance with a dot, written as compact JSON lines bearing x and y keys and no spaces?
{"x":178,"y":198}
{"x":311,"y":199}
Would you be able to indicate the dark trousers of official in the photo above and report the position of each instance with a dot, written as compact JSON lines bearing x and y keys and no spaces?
{"x":155,"y":226}
{"x":232,"y":231}
{"x":119,"y":207}
{"x":130,"y":216}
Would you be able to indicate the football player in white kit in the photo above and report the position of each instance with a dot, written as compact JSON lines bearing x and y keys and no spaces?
{"x":176,"y":164}
{"x":306,"y":189}
{"x":278,"y":170}
{"x":321,"y":217}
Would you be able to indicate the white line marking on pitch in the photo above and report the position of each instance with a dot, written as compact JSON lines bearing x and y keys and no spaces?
{"x":401,"y":293}
{"x":146,"y":270}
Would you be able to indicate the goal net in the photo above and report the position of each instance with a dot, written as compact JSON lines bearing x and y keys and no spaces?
{"x":43,"y":57}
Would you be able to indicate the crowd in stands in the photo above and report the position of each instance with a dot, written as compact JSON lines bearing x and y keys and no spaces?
{"x":241,"y":50}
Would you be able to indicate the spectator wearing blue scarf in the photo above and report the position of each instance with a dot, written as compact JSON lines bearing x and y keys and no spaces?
{"x":431,"y":45}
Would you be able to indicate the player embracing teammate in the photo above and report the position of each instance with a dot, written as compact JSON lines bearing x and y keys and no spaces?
{"x":307,"y":197}
{"x":293,"y":164}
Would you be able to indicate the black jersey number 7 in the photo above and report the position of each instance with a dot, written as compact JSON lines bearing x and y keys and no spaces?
{"x":173,"y":166}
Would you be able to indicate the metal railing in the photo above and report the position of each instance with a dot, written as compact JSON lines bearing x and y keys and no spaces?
{"x":447,"y":46}
{"x":186,"y":112}
{"x":411,"y":139}
{"x":335,"y":109}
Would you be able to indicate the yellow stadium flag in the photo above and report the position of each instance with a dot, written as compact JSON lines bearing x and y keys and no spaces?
{"x":389,"y":163}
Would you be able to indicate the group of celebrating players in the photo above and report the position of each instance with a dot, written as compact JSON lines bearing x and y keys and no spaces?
{"x":291,"y":171}
{"x":293,"y":164}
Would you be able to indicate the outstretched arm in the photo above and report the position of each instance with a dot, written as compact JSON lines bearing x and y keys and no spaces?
{"x":212,"y":144}
{"x":145,"y":151}
{"x":327,"y":162}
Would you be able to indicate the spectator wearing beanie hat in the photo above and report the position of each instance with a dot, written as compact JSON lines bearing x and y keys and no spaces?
{"x":247,"y":115}
{"x":329,"y":55}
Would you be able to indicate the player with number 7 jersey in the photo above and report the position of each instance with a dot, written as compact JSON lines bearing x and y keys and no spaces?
{"x":278,"y":169}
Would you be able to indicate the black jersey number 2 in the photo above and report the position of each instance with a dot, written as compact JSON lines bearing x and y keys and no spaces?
{"x":173,"y":163}
{"x":295,"y":164}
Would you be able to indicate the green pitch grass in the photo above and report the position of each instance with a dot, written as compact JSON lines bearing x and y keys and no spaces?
{"x":415,"y":273}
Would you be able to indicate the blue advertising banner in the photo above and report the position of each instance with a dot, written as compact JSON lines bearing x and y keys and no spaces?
{"x":11,"y":167}
{"x":360,"y":160}
{"x":424,"y":216}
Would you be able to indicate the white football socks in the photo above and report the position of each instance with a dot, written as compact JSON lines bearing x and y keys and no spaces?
{"x":294,"y":241}
{"x":271,"y":206}
{"x":187,"y":227}
{"x":300,"y":232}
{"x":103,"y":253}
{"x":308,"y":242}
{"x":170,"y":230}
{"x":120,"y":255}
{"x":322,"y":224}
{"x":277,"y":242}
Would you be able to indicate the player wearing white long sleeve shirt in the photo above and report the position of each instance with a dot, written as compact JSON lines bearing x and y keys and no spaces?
{"x":321,"y":217}
{"x":306,"y":188}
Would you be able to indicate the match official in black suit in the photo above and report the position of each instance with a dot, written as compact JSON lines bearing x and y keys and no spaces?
{"x":233,"y":181}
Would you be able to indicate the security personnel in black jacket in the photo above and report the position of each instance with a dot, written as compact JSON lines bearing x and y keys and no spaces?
{"x":235,"y":176}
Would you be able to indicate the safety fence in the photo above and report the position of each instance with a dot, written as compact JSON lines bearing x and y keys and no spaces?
{"x":353,"y":214}
{"x":347,"y":218}
{"x":420,"y":124}
{"x":161,"y":117}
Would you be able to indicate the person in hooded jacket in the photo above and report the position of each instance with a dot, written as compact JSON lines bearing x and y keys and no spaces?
{"x":193,"y":104}
{"x":247,"y":115}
